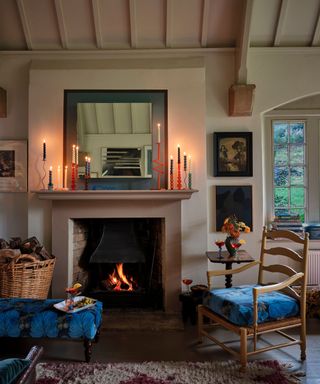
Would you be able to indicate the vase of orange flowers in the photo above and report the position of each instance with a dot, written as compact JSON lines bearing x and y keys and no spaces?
{"x":233,"y":227}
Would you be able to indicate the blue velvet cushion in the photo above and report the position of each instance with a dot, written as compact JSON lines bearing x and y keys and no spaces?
{"x":38,"y":318}
{"x":236,"y":305}
{"x":10,"y":369}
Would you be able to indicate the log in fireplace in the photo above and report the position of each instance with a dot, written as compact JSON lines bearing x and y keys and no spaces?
{"x":119,"y":260}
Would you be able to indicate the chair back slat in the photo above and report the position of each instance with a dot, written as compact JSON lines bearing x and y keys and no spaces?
{"x":282,"y":251}
{"x":278,"y":268}
{"x":287,"y":235}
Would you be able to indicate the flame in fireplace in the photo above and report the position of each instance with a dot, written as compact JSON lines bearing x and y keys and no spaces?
{"x":118,"y":281}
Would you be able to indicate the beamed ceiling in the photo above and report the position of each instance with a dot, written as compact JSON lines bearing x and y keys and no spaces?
{"x":73,"y":25}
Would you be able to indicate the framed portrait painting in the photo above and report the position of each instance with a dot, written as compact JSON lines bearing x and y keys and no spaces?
{"x":13,"y":166}
{"x":233,"y":200}
{"x":232,"y":153}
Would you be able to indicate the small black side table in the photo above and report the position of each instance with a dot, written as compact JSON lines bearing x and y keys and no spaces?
{"x":243,"y":257}
{"x":189,"y":306}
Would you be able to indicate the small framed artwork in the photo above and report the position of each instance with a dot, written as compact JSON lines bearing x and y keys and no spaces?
{"x":233,"y":200}
{"x":232,"y":154}
{"x":13,"y":166}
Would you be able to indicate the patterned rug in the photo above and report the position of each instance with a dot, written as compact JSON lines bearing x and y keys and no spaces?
{"x":259,"y":371}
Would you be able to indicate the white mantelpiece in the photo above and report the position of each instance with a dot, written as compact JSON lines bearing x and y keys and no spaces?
{"x":70,"y":205}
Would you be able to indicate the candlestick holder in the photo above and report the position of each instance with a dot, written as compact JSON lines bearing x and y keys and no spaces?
{"x":44,"y":174}
{"x":158,"y":168}
{"x":185,"y":179}
{"x":190,"y":180}
{"x":73,"y":177}
{"x":179,"y":183}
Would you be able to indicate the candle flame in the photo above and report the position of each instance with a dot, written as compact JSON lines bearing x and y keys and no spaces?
{"x":171,"y":157}
{"x":50,"y":168}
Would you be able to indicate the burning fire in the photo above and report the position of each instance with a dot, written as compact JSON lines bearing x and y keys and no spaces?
{"x":118,"y":281}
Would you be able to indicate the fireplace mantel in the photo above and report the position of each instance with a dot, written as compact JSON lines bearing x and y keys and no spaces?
{"x":162,"y":194}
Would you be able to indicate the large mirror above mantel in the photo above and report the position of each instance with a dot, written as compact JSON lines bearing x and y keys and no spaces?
{"x":118,"y":130}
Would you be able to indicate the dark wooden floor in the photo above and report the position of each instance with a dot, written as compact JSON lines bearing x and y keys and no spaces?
{"x":176,"y":345}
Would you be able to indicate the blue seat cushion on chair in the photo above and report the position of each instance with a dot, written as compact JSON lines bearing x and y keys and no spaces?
{"x":10,"y":369}
{"x":236,"y":305}
{"x":38,"y":318}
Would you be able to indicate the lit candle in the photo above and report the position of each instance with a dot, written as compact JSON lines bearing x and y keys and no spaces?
{"x":65,"y":182}
{"x":171,"y":165}
{"x":86,"y":166}
{"x":59,"y":177}
{"x":179,"y":160}
{"x":89,"y":161}
{"x":189,"y":164}
{"x":44,"y":153}
{"x":184,"y":161}
{"x":158,"y":139}
{"x":73,"y":154}
{"x":77,"y":154}
{"x":189,"y":174}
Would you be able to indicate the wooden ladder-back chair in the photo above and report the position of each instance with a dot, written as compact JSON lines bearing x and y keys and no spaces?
{"x":261,"y":308}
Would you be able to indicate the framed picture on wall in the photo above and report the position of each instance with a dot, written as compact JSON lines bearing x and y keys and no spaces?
{"x":233,"y":200}
{"x":13,"y":166}
{"x":232,"y":153}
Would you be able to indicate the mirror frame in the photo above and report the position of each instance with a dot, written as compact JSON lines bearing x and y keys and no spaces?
{"x":159,"y":100}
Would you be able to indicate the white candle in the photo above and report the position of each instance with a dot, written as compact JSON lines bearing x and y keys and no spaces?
{"x":59,"y":177}
{"x":189,"y":163}
{"x":77,"y":154}
{"x":65,"y":182}
{"x":158,"y":138}
{"x":73,"y":154}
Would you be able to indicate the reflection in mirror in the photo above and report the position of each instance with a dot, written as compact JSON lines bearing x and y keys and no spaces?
{"x":117,"y":137}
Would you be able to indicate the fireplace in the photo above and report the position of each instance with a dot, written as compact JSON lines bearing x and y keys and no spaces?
{"x":119,"y":260}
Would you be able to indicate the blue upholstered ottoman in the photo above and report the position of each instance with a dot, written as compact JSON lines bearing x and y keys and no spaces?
{"x":39,"y":319}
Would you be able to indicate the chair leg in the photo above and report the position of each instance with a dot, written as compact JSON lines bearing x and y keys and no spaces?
{"x":200,"y":323}
{"x":243,"y":349}
{"x":303,"y":340}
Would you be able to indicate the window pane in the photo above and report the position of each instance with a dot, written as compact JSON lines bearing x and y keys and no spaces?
{"x":281,"y":197}
{"x":297,"y":176}
{"x":280,"y":133}
{"x":297,"y":197}
{"x":280,"y":155}
{"x":297,"y":154}
{"x":281,"y":176}
{"x":300,"y":212}
{"x":297,"y":133}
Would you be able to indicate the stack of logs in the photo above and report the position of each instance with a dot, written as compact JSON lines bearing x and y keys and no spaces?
{"x":12,"y":249}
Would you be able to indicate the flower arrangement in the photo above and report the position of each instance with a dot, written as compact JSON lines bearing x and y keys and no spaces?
{"x":233,"y":228}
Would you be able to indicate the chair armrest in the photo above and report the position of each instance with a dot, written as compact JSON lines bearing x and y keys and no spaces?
{"x":278,"y":286}
{"x":224,"y":272}
{"x":29,"y":375}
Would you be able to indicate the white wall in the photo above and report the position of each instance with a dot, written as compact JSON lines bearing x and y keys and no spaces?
{"x":280,"y":77}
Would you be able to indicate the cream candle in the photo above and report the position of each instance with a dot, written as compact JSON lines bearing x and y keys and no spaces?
{"x":77,"y":154}
{"x":189,"y":167}
{"x":158,"y":131}
{"x":73,"y":154}
{"x":65,"y":181}
{"x":59,"y":177}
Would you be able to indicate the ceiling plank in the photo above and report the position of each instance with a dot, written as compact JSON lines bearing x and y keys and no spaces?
{"x":133,"y":23}
{"x":205,"y":23}
{"x":316,"y":34}
{"x":61,"y":24}
{"x":97,"y":22}
{"x":243,"y":45}
{"x":169,"y":24}
{"x":25,"y":23}
{"x":281,"y":22}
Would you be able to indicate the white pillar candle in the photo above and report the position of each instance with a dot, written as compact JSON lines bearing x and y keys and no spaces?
{"x":158,"y":137}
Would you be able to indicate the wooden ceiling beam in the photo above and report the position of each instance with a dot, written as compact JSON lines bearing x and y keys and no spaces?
{"x":25,"y":23}
{"x":243,"y":45}
{"x":205,"y":23}
{"x":97,"y":23}
{"x":316,"y":34}
{"x":281,"y":22}
{"x":169,"y":24}
{"x":133,"y":23}
{"x":61,"y":24}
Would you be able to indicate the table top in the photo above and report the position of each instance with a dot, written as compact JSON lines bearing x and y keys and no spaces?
{"x":243,"y":257}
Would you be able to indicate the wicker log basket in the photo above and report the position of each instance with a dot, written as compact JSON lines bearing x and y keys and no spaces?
{"x":26,"y":277}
